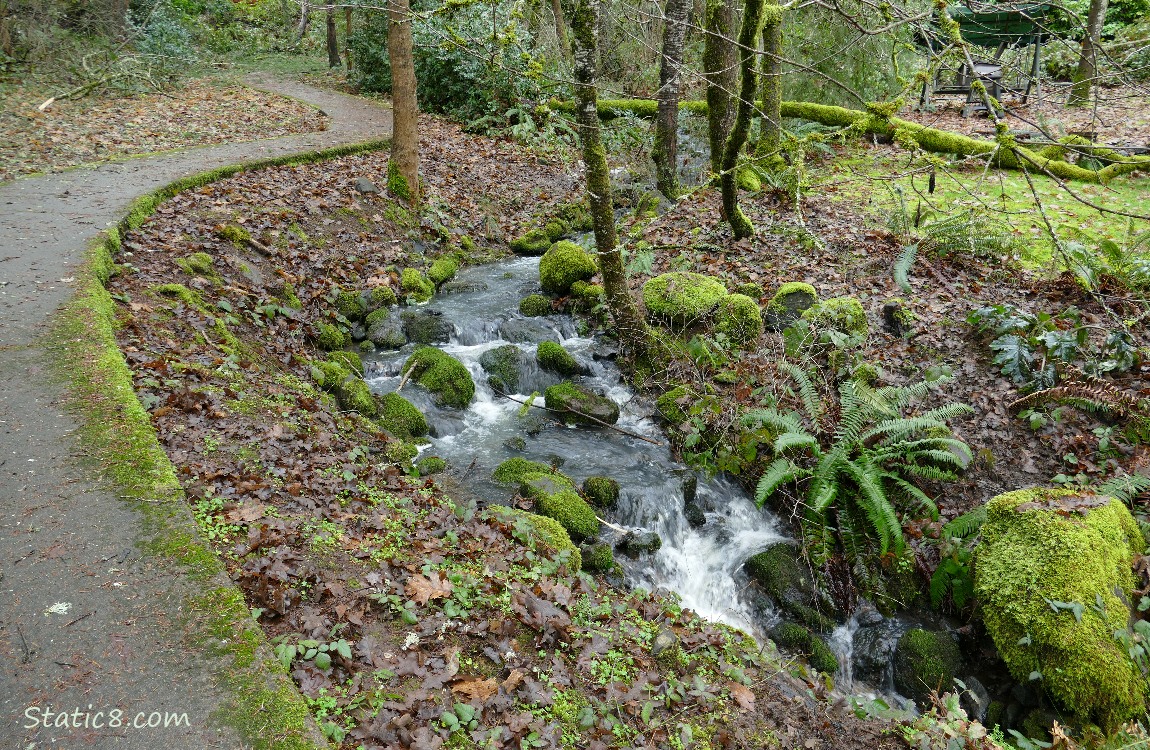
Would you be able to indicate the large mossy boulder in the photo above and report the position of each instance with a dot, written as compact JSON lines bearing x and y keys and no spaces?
{"x":601,"y":491}
{"x":555,"y":497}
{"x":1072,"y":548}
{"x":541,"y":530}
{"x":788,"y":304}
{"x":534,"y":306}
{"x":503,"y":366}
{"x":580,"y":406}
{"x":925,"y":661}
{"x":533,"y":242}
{"x":426,"y":326}
{"x":385,"y":329}
{"x":442,"y":270}
{"x":786,"y":579}
{"x":796,"y":638}
{"x":681,"y":298}
{"x":401,"y":418}
{"x":443,"y":375}
{"x":562,"y":265}
{"x":738,"y":317}
{"x":513,"y":470}
{"x":552,"y":356}
{"x":842,"y":314}
{"x":415,"y":286}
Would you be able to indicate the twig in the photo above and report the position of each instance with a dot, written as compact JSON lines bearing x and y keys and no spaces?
{"x":610,"y":525}
{"x":585,"y":416}
{"x":81,"y":617}
{"x":406,"y":375}
{"x":26,"y":657}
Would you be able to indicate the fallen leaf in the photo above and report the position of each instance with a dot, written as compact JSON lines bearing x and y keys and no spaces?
{"x":742,"y":695}
{"x":479,"y":690}
{"x":422,"y":589}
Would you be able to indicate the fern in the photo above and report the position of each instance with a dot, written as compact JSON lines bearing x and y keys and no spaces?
{"x":903,"y":265}
{"x":966,"y":524}
{"x":1126,"y":488}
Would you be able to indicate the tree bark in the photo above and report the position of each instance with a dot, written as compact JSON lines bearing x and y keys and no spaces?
{"x":728,"y":179}
{"x":347,"y":38}
{"x":304,"y":20}
{"x":403,"y":164}
{"x":333,"y":60}
{"x":719,"y":71}
{"x":666,"y":149}
{"x":772,"y":90}
{"x":561,"y":28}
{"x":1088,"y":60}
{"x":633,"y":334}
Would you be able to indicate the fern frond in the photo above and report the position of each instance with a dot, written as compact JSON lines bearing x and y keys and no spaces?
{"x":901,"y":396}
{"x":779,"y":472}
{"x":947,"y":412}
{"x":966,"y":524}
{"x":874,"y":502}
{"x":923,"y":500}
{"x":807,"y":391}
{"x":1089,"y":394}
{"x":903,"y":265}
{"x":774,"y":419}
{"x":937,"y":457}
{"x":930,"y":472}
{"x":1126,"y":487}
{"x":790,"y":440}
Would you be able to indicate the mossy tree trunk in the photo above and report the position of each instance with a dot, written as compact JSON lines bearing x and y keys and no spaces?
{"x":333,"y":60}
{"x":772,"y":89}
{"x":1088,"y":60}
{"x":666,"y":150}
{"x":728,"y":176}
{"x":403,"y":164}
{"x":632,"y":331}
{"x":719,"y":71}
{"x":561,"y":28}
{"x":347,"y":38}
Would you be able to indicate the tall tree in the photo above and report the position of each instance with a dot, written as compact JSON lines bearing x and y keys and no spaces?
{"x":748,"y":34}
{"x":333,"y":60}
{"x":1088,"y":60}
{"x":772,"y":75}
{"x":633,"y":333}
{"x":403,"y":164}
{"x":719,"y":71}
{"x":561,"y":28}
{"x":666,"y":149}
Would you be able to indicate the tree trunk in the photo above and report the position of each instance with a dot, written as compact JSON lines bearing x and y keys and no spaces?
{"x":719,"y":70}
{"x":772,"y":91}
{"x":561,"y":28}
{"x":1088,"y":61}
{"x":347,"y":38}
{"x":728,"y":179}
{"x":403,"y":165}
{"x":666,"y":149}
{"x":333,"y":60}
{"x":304,"y":20}
{"x":632,"y":331}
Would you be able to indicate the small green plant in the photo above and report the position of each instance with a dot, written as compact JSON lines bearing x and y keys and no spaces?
{"x":318,"y":652}
{"x":616,"y":666}
{"x":1126,"y":264}
{"x":857,"y":470}
{"x":955,"y":571}
{"x":1101,"y":398}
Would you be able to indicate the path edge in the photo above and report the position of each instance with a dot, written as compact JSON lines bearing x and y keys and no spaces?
{"x":261,"y":701}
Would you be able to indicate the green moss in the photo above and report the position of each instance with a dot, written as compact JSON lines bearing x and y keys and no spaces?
{"x":534,"y":305}
{"x":552,"y":356}
{"x":430,"y":465}
{"x":534,"y":242}
{"x":1041,"y":545}
{"x":330,"y":337}
{"x":672,"y":412}
{"x":502,"y":367}
{"x":234,"y":233}
{"x":375,"y":317}
{"x":543,"y":530}
{"x":355,"y":395}
{"x":598,"y":557}
{"x":555,"y":497}
{"x":601,"y":491}
{"x":739,"y":318}
{"x":682,"y":297}
{"x":396,"y":182}
{"x":586,"y":294}
{"x":416,"y":286}
{"x":443,"y":270}
{"x":513,"y":470}
{"x":781,"y":299}
{"x":792,"y":637}
{"x":443,"y":375}
{"x":401,"y":418}
{"x":579,"y":406}
{"x":180,"y":292}
{"x":350,"y":360}
{"x":329,"y":375}
{"x":749,"y":289}
{"x":381,"y":296}
{"x":556,"y":229}
{"x":290,"y":298}
{"x":562,"y":265}
{"x":925,"y":661}
{"x":748,"y":180}
{"x":400,"y":452}
{"x":350,"y":304}
{"x":198,"y":264}
{"x":843,"y":314}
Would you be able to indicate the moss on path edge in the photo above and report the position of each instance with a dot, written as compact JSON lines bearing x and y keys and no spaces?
{"x":264,"y":705}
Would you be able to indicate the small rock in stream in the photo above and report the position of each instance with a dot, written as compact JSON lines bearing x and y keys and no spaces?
{"x":635,"y":543}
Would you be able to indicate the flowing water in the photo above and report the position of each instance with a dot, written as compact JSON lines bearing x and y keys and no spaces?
{"x":698,"y":564}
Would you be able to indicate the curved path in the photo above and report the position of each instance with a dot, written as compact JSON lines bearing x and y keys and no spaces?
{"x":86,"y":622}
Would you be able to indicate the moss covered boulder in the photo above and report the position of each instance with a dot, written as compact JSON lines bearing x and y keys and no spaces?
{"x":330,"y":337}
{"x":534,"y":306}
{"x":380,"y":296}
{"x":429,"y":465}
{"x":443,"y":375}
{"x":782,"y":574}
{"x":534,"y":242}
{"x":788,"y":304}
{"x":350,"y":304}
{"x":400,"y":417}
{"x":503,"y":366}
{"x":557,"y":229}
{"x":797,"y":639}
{"x":513,"y":470}
{"x":349,"y":360}
{"x":925,"y":661}
{"x":738,"y":317}
{"x":540,"y":530}
{"x":1063,"y":545}
{"x":562,"y":265}
{"x":385,"y":329}
{"x":602,"y":492}
{"x":426,"y":326}
{"x":580,"y":406}
{"x":842,"y":314}
{"x":354,"y":394}
{"x":586,"y":295}
{"x":598,"y":557}
{"x":555,"y":497}
{"x":442,"y":270}
{"x":415,"y":286}
{"x":681,"y":298}
{"x":552,"y":356}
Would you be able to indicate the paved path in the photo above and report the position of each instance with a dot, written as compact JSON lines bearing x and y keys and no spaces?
{"x":66,"y":543}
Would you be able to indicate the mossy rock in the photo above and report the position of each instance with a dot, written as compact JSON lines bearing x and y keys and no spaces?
{"x":681,"y":298}
{"x":443,"y":270}
{"x":598,"y":557}
{"x":897,"y":318}
{"x":534,"y":242}
{"x":1063,"y":545}
{"x":350,"y":305}
{"x":444,"y":376}
{"x":415,"y":285}
{"x":422,"y":326}
{"x":562,"y":265}
{"x":783,"y":575}
{"x":381,"y":296}
{"x":430,"y":465}
{"x":330,"y":337}
{"x":556,"y":229}
{"x":386,"y":329}
{"x":534,"y":306}
{"x":788,"y":304}
{"x":354,"y":394}
{"x":349,"y":360}
{"x":739,"y":318}
{"x":375,"y":317}
{"x":925,"y":661}
{"x":401,"y":418}
{"x":842,"y":314}
{"x":233,"y":233}
{"x":329,"y":375}
{"x":796,"y":638}
{"x":579,"y":406}
{"x":400,"y":452}
{"x":503,"y":366}
{"x":198,"y":264}
{"x":513,"y":470}
{"x":749,"y":289}
{"x":586,"y":295}
{"x":602,"y":492}
{"x":554,"y":357}
{"x":180,"y":292}
{"x":555,"y":497}
{"x":672,"y":405}
{"x":542,"y":530}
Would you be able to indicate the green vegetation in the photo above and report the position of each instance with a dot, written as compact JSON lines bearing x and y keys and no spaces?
{"x":514,"y":470}
{"x":681,"y":298}
{"x":552,"y":356}
{"x":534,"y":242}
{"x":416,"y":286}
{"x":399,"y":416}
{"x":443,"y":270}
{"x":331,"y":337}
{"x":739,"y":319}
{"x":555,"y":497}
{"x":534,"y":305}
{"x":441,"y":374}
{"x":925,"y":661}
{"x":562,"y":265}
{"x":603,"y":492}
